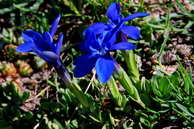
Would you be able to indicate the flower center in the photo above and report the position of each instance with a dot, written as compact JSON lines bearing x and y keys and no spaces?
{"x":102,"y":52}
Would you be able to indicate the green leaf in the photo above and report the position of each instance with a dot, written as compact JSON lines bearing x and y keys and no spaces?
{"x":161,"y":86}
{"x":127,"y":84}
{"x":188,"y":84}
{"x":114,"y":91}
{"x":57,"y":125}
{"x":131,"y":62}
{"x":76,"y":90}
{"x":5,"y":125}
{"x":94,"y":118}
{"x":72,"y":6}
{"x":112,"y":121}
{"x":184,"y":109}
{"x":184,"y":10}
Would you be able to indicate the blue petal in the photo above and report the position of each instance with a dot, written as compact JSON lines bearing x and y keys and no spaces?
{"x":135,"y":15}
{"x":54,"y":25}
{"x":90,"y":43}
{"x":37,"y":39}
{"x":47,"y":37}
{"x":116,"y":29}
{"x":123,"y":46}
{"x":48,"y":42}
{"x":25,"y":47}
{"x":111,"y":41}
{"x":94,"y":35}
{"x":49,"y":56}
{"x":111,"y":36}
{"x":104,"y":68}
{"x":30,"y":34}
{"x":59,"y":44}
{"x":84,"y":64}
{"x":113,"y":13}
{"x":131,"y":31}
{"x":42,"y":42}
{"x":26,"y":37}
{"x":97,"y":28}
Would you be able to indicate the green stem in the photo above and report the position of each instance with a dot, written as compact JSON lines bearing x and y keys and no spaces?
{"x":114,"y":91}
{"x":73,"y":87}
{"x":76,"y":90}
{"x":166,"y":35}
{"x":131,"y":62}
{"x":126,"y":82}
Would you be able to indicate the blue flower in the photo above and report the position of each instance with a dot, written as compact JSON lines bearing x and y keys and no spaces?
{"x":97,"y":45}
{"x":100,"y":39}
{"x":115,"y":18}
{"x":43,"y":44}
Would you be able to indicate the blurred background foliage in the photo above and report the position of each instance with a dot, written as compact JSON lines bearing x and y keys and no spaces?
{"x":32,"y":95}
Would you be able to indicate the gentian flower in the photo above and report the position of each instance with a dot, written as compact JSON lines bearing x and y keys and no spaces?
{"x":115,"y":18}
{"x":100,"y":39}
{"x":43,"y":44}
{"x":97,"y":44}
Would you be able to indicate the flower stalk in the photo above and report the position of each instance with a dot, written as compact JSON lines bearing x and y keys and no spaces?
{"x":131,"y":62}
{"x":46,"y":48}
{"x":73,"y":87}
{"x":117,"y":96}
{"x":127,"y":84}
